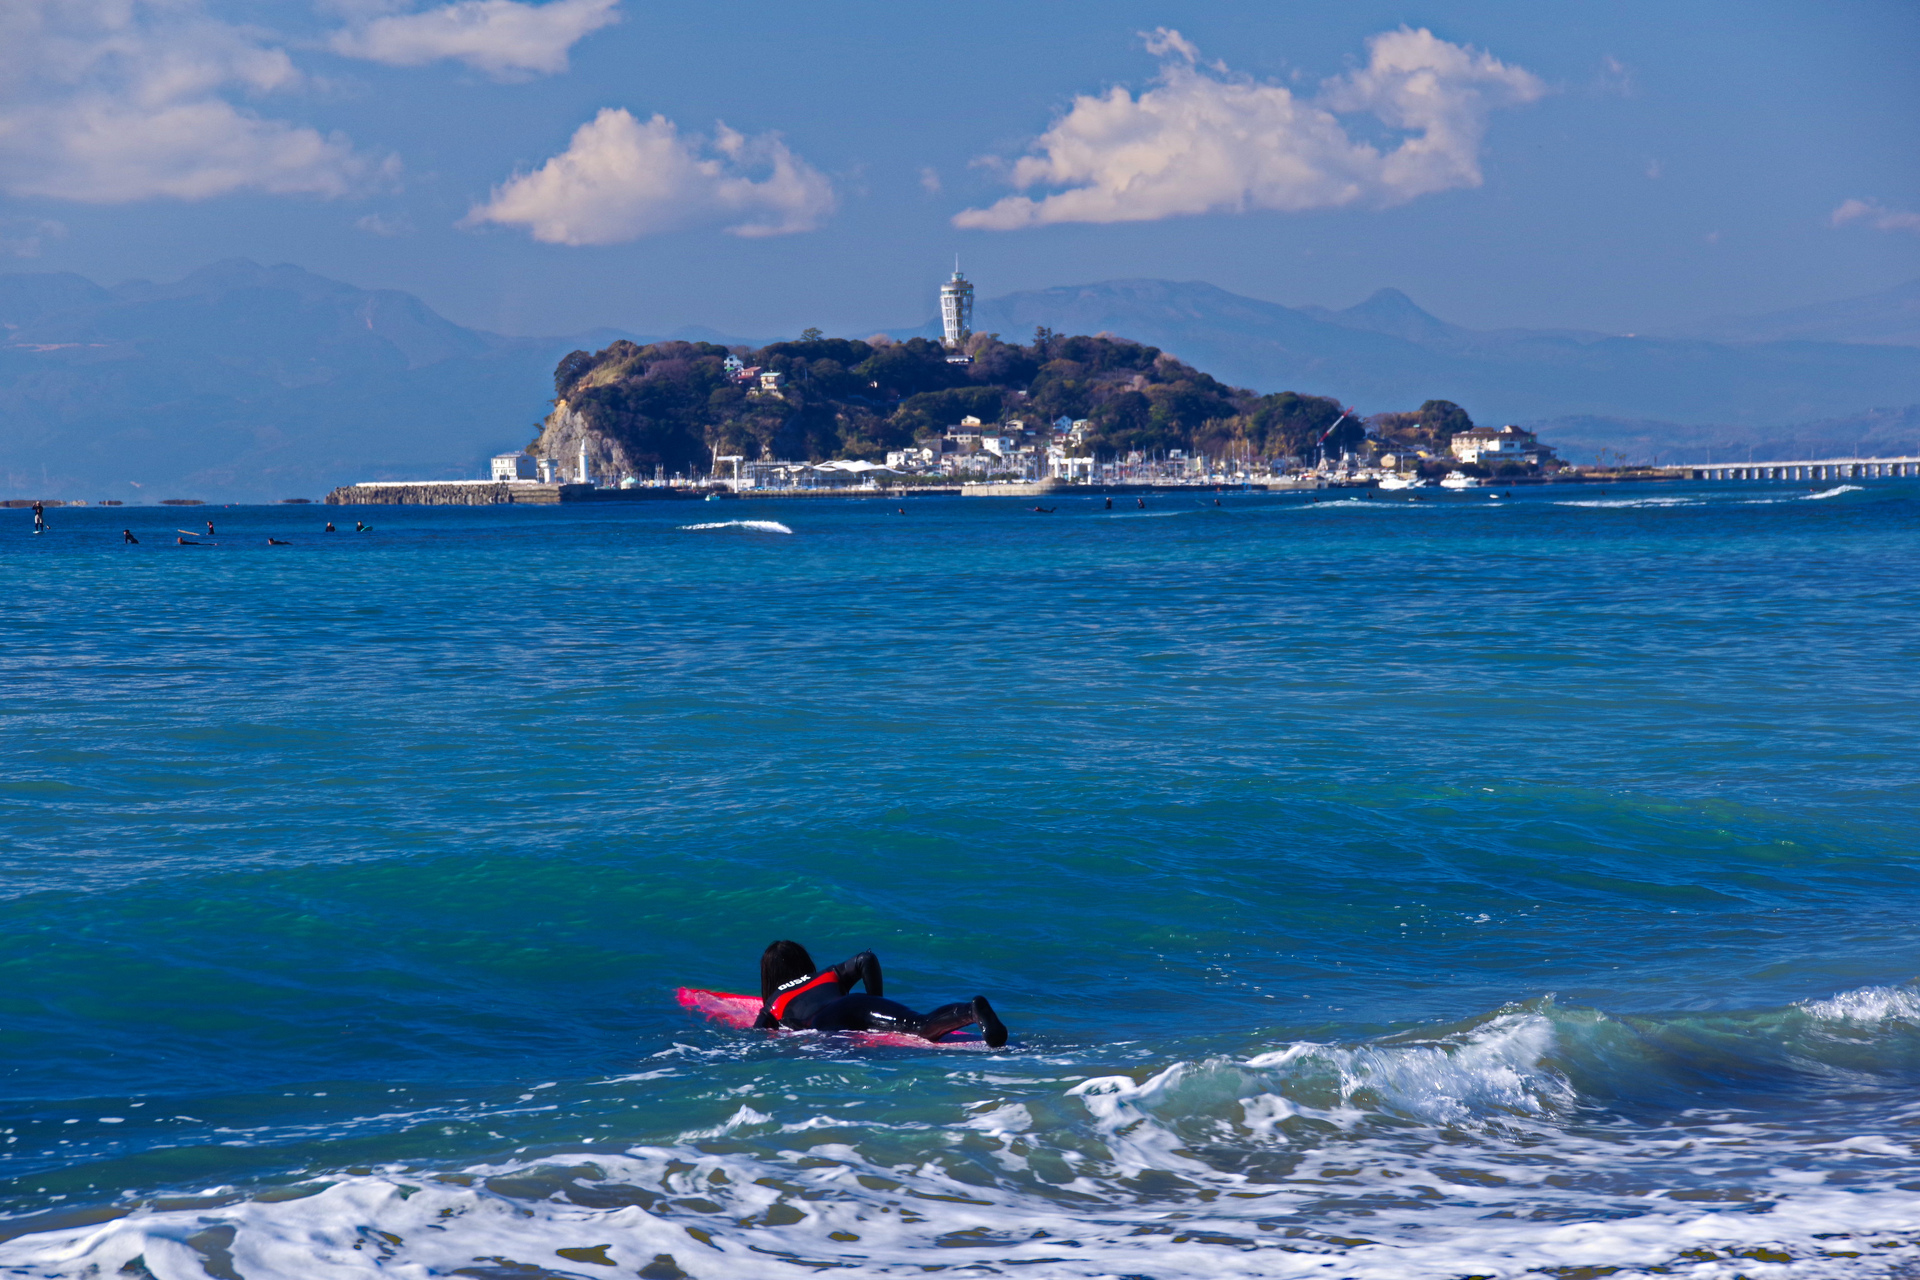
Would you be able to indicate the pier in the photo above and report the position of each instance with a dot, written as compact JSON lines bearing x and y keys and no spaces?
{"x":1813,"y":469}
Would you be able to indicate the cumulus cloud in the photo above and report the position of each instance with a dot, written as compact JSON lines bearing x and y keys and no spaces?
{"x":106,"y":101}
{"x":621,"y":179}
{"x":1875,"y":215}
{"x":1205,"y":141}
{"x":500,"y":37}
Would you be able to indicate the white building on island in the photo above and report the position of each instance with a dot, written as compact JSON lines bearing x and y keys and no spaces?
{"x":512,"y":466}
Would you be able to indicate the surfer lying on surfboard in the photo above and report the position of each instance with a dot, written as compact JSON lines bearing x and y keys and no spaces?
{"x":796,"y":995}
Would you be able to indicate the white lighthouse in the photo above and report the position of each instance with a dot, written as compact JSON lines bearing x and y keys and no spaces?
{"x":584,"y":477}
{"x":956,"y":309}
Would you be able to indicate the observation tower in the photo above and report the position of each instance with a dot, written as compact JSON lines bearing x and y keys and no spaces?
{"x":956,"y":309}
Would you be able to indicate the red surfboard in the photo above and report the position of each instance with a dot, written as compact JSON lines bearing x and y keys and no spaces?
{"x":740,"y":1011}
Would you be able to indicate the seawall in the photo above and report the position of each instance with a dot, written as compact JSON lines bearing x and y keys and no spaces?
{"x":489,"y":493}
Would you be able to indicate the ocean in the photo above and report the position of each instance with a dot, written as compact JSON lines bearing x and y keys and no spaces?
{"x":1373,"y":887}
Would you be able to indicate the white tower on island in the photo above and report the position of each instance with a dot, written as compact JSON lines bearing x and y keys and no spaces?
{"x":584,"y":477}
{"x":956,"y":308}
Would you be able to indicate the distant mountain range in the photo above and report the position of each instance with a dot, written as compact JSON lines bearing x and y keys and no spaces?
{"x":243,"y":382}
{"x":1387,"y":352}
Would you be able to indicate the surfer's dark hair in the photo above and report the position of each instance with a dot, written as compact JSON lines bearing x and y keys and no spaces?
{"x":781,"y":963}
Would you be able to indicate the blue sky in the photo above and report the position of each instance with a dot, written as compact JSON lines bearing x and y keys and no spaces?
{"x":543,"y":168}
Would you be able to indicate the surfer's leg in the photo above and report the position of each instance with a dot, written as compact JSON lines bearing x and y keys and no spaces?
{"x":876,"y":1013}
{"x":862,"y":1012}
{"x":952,"y":1017}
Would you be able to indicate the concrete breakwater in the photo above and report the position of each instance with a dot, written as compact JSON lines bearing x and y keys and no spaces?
{"x":488,"y":493}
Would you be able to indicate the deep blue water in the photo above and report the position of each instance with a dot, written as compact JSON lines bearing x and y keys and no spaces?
{"x":1373,"y":887}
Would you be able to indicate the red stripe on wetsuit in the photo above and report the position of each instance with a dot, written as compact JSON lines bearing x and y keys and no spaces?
{"x":778,"y":1006}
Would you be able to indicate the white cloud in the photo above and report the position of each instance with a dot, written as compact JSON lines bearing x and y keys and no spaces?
{"x":23,"y":237}
{"x":930,"y":180}
{"x":1203,"y":142}
{"x":1875,"y":215}
{"x":501,"y":37}
{"x":621,"y":179}
{"x":375,"y":224}
{"x":105,"y":101}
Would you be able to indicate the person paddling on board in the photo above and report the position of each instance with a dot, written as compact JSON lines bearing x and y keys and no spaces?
{"x":797,"y":995}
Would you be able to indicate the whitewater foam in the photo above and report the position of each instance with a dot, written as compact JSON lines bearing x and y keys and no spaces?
{"x":1459,"y":1154}
{"x":1867,"y":1005}
{"x":751,"y":526}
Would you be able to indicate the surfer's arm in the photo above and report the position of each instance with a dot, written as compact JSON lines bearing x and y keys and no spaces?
{"x":864,"y":967}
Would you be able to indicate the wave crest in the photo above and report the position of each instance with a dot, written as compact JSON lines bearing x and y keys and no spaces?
{"x":751,"y":526}
{"x":1866,"y":1005}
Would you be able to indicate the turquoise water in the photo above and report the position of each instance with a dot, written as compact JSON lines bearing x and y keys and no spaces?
{"x":1373,"y":887}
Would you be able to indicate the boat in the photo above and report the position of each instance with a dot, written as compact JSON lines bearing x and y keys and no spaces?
{"x":1460,"y":480}
{"x":1391,"y":482}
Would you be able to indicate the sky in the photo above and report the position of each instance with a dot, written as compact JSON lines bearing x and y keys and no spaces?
{"x":545,"y":168}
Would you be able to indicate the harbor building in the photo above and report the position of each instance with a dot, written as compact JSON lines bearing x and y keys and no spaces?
{"x":512,"y":466}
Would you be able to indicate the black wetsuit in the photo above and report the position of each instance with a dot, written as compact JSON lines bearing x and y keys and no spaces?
{"x":821,"y":1002}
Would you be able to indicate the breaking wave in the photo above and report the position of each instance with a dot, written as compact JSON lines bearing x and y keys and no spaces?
{"x":1462,"y":1152}
{"x":750,"y":526}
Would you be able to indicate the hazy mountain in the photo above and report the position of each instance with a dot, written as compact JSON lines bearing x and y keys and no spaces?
{"x":1875,"y":433}
{"x":249,"y":382}
{"x":1388,"y":353}
{"x":1890,"y":316}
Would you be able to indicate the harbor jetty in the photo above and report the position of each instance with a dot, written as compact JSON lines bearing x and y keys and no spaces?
{"x":489,"y":493}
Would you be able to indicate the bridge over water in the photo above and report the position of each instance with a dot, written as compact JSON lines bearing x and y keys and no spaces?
{"x":1812,"y":469}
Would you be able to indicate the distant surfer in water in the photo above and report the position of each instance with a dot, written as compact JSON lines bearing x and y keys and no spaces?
{"x":797,"y":995}
{"x":1109,"y":504}
{"x":275,"y":542}
{"x":1142,"y":502}
{"x":126,"y":536}
{"x":39,"y":517}
{"x":1046,"y":511}
{"x":329,"y":526}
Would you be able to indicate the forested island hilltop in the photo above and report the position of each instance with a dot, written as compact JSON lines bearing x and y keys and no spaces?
{"x":672,"y":407}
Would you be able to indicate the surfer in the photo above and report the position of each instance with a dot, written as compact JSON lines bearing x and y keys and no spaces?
{"x":275,"y":542}
{"x":329,"y":526}
{"x":1109,"y":504}
{"x":126,"y":536}
{"x":1046,"y":511}
{"x":1142,"y":503}
{"x":189,"y":542}
{"x":797,"y":995}
{"x":209,"y":528}
{"x":39,"y":517}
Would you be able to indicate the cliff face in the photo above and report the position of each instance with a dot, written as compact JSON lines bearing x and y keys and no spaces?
{"x":560,"y":439}
{"x":674,"y":405}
